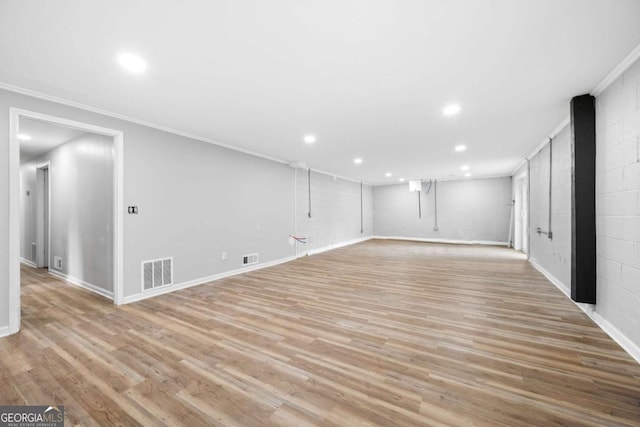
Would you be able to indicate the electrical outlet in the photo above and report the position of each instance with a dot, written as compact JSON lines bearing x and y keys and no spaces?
{"x":224,"y":256}
{"x":57,"y":263}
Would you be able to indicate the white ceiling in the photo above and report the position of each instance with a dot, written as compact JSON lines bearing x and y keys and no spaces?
{"x":44,"y":137}
{"x":368,"y":78}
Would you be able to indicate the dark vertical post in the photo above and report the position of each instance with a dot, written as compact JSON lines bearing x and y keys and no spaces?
{"x":583,"y":199}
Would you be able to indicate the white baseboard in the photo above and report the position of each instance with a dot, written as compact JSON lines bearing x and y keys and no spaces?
{"x":452,"y":241}
{"x":82,"y":284}
{"x":590,"y":310}
{"x":201,"y":281}
{"x":553,"y":279}
{"x":335,"y":246}
{"x":4,"y":331}
{"x":28,"y":262}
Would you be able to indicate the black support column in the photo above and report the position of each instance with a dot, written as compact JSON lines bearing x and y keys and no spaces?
{"x":583,"y":199}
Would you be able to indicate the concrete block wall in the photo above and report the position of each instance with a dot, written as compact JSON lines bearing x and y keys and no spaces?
{"x":554,"y":255}
{"x":618,"y":204}
{"x":468,"y":210}
{"x":335,"y":211}
{"x":617,"y":210}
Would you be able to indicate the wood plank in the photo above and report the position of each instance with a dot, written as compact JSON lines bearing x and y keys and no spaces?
{"x":379,"y":333}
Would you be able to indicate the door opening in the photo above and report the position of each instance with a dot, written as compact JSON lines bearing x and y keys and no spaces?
{"x":38,"y":192}
{"x":42,"y":215}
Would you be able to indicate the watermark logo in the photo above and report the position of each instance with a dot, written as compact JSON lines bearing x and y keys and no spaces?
{"x":31,"y":416}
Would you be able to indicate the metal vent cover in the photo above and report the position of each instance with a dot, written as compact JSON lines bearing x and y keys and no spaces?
{"x":156,"y":273}
{"x":250,"y":259}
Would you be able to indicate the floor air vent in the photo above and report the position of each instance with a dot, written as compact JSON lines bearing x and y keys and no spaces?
{"x":249,"y":259}
{"x":157,"y":273}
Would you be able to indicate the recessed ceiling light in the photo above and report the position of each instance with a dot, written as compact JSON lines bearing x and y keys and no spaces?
{"x":401,"y":180}
{"x":132,"y":63}
{"x":309,"y":139}
{"x":24,"y":137}
{"x":461,"y":148}
{"x":468,"y":174}
{"x":388,"y":174}
{"x":357,"y":160}
{"x":464,"y":167}
{"x":451,"y":110}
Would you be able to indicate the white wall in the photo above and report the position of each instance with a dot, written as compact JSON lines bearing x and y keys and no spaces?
{"x":335,"y":210}
{"x":468,"y":210}
{"x":197,"y":200}
{"x":618,"y":204}
{"x":554,"y":254}
{"x":617,"y":210}
{"x":81,"y":178}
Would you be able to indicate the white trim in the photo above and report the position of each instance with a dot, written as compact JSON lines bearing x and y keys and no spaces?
{"x":451,"y":241}
{"x":82,"y":284}
{"x":563,"y":124}
{"x":178,"y":286}
{"x":4,"y":331}
{"x":590,"y":310}
{"x":446,"y":179}
{"x":618,"y":70}
{"x":142,"y":263}
{"x":85,"y":107}
{"x":195,"y":282}
{"x":14,"y":206}
{"x":623,"y":66}
{"x":556,"y":282}
{"x":335,"y":246}
{"x":28,"y":262}
{"x":67,"y":102}
{"x":40,"y":232}
{"x":14,"y":223}
{"x":305,"y":167}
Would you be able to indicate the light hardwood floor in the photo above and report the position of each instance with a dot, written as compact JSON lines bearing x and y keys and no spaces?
{"x":380,"y":333}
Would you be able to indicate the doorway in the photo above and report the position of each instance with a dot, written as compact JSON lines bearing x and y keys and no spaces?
{"x":521,"y":214}
{"x":43,"y":196}
{"x":43,"y":222}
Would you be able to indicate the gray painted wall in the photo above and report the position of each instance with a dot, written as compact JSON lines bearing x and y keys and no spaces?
{"x":335,"y":210}
{"x":81,"y":177}
{"x":195,"y":199}
{"x":554,"y":254}
{"x":618,"y":204}
{"x":468,"y":210}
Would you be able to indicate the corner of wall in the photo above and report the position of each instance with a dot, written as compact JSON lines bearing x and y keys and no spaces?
{"x":591,"y":311}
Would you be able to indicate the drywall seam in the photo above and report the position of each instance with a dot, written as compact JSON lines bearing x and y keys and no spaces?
{"x":624,"y":342}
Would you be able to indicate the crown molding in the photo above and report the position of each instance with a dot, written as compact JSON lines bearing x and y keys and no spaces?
{"x":85,"y":107}
{"x":623,"y":66}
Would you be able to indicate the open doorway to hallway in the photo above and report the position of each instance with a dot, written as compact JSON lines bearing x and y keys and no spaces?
{"x":521,"y":213}
{"x":66,"y":204}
